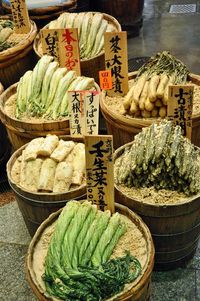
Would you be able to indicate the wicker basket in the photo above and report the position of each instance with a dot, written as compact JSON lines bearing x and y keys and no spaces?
{"x":124,"y":129}
{"x":89,"y":67}
{"x":15,"y":61}
{"x":139,"y":290}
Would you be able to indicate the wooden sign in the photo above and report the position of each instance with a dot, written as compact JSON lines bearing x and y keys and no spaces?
{"x":105,"y":79}
{"x":63,"y":45}
{"x":179,"y":108}
{"x":50,"y":43}
{"x":84,"y":112}
{"x":116,"y":60}
{"x":77,"y":116}
{"x":91,"y":105}
{"x":99,"y":171}
{"x":20,"y":16}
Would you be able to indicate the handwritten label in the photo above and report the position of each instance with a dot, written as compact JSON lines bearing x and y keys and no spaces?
{"x":20,"y":16}
{"x":99,"y":171}
{"x":116,"y":60}
{"x":63,"y":45}
{"x":77,"y":116}
{"x":179,"y":108}
{"x":50,"y":43}
{"x":84,"y":112}
{"x":91,"y":104}
{"x":105,"y":79}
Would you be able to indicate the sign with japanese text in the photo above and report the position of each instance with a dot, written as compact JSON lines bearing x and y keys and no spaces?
{"x":105,"y":79}
{"x":116,"y":60}
{"x":20,"y":16}
{"x":84,"y":112}
{"x":50,"y":43}
{"x":91,"y":105}
{"x":99,"y":171}
{"x":77,"y":116}
{"x":179,"y":109}
{"x":63,"y":45}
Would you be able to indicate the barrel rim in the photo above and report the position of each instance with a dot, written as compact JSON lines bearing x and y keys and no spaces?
{"x":192,"y":199}
{"x":18,"y":189}
{"x":112,"y":20}
{"x":139,"y":282}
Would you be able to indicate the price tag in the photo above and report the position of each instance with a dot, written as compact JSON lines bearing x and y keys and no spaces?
{"x":63,"y":45}
{"x":84,"y":112}
{"x":116,"y":60}
{"x":99,"y":171}
{"x":20,"y":16}
{"x":179,"y":108}
{"x":105,"y":79}
{"x":77,"y":116}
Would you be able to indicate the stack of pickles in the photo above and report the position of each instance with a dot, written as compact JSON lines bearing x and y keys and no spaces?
{"x":161,"y":157}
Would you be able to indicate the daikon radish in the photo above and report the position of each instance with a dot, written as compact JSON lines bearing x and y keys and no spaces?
{"x":78,"y":164}
{"x":163,"y":112}
{"x":30,"y":152}
{"x":162,"y":84}
{"x":138,"y":87}
{"x":158,"y":103}
{"x":128,"y":98}
{"x":165,"y":96}
{"x":154,"y":112}
{"x":137,"y":114}
{"x":62,"y":150}
{"x":148,"y":105}
{"x":134,"y":108}
{"x":47,"y":174}
{"x":30,"y":173}
{"x":153,"y":84}
{"x":145,"y":114}
{"x":48,"y":146}
{"x":143,"y":96}
{"x":63,"y":177}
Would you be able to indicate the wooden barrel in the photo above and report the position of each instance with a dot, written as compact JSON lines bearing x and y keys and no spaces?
{"x":136,"y":291}
{"x":21,"y":132}
{"x":15,"y":61}
{"x":5,"y":146}
{"x":36,"y":207}
{"x":41,"y":16}
{"x":175,"y":228}
{"x":89,"y":67}
{"x":125,"y":128}
{"x":40,"y":11}
{"x":128,"y":12}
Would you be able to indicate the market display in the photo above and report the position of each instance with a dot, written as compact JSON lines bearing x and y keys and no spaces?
{"x":91,"y":28}
{"x":78,"y":264}
{"x":42,"y":93}
{"x":148,"y":95}
{"x":160,"y":157}
{"x":50,"y":165}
